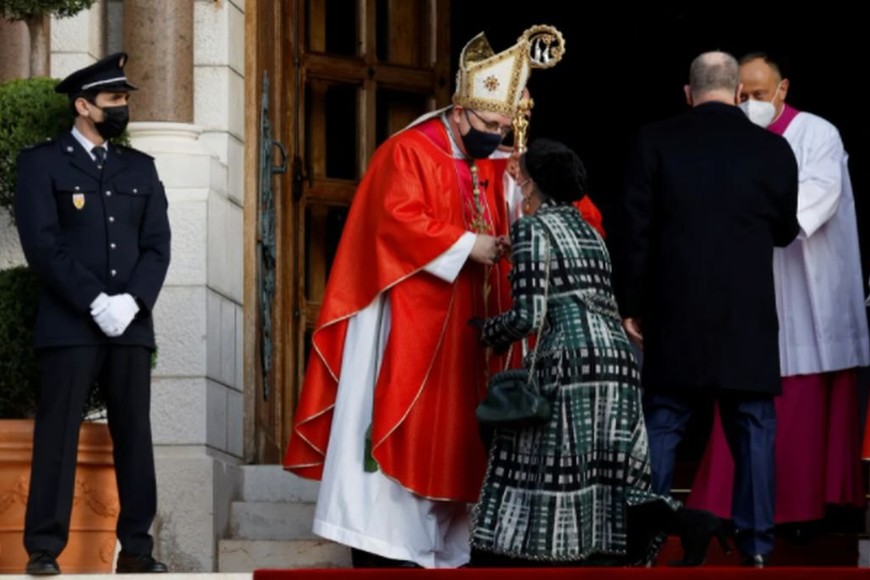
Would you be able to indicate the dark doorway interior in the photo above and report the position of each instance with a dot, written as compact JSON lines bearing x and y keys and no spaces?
{"x":625,"y":66}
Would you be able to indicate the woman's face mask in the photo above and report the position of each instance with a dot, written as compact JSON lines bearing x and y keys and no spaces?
{"x":761,"y":112}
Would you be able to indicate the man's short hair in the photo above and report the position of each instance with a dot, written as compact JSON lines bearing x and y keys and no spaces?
{"x":713,"y":71}
{"x":774,"y":63}
{"x":89,"y":96}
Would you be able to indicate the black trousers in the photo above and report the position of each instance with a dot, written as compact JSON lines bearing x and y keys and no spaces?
{"x":66,"y":375}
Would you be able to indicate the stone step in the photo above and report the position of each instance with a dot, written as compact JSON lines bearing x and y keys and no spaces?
{"x":238,"y":556}
{"x":248,"y":555}
{"x":271,"y":521}
{"x":271,"y":483}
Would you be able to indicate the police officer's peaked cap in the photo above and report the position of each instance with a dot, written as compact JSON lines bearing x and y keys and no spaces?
{"x":104,"y":75}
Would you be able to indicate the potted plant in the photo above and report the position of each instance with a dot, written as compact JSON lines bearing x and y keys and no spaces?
{"x":30,"y":112}
{"x":35,"y":14}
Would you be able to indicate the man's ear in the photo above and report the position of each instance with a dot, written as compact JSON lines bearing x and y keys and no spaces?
{"x":688,"y":92}
{"x":81,"y":105}
{"x":738,"y":93}
{"x":784,"y":88}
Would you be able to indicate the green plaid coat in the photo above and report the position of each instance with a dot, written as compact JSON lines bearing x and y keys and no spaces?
{"x":561,"y":491}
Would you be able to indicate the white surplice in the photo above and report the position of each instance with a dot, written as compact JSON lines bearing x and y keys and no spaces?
{"x":367,"y":510}
{"x":819,"y":287}
{"x":513,"y":193}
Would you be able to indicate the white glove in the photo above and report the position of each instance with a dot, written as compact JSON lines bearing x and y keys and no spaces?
{"x":99,"y":304}
{"x":117,"y":315}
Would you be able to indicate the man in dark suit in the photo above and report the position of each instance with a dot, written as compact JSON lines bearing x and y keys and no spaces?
{"x":92,"y":218}
{"x":708,"y":196}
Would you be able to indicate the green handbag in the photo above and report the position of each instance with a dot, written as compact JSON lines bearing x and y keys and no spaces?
{"x":513,"y":398}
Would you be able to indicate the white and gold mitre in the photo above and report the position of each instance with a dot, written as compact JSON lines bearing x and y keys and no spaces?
{"x":495,"y":82}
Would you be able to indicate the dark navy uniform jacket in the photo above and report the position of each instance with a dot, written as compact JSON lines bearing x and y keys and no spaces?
{"x":86,"y":231}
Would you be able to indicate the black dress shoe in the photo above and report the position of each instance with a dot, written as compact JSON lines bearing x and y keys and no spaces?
{"x":756,"y":561}
{"x":42,"y":564}
{"x":697,"y":528}
{"x":141,"y":564}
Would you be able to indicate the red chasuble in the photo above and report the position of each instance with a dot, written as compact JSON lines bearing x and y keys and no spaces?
{"x":413,"y":204}
{"x":591,"y":214}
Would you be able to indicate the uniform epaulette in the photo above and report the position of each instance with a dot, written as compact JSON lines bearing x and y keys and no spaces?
{"x":45,"y":143}
{"x":127,"y":149}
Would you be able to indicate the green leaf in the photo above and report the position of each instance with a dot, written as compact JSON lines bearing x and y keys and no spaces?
{"x":30,"y":113}
{"x":18,"y":377}
{"x":24,"y":9}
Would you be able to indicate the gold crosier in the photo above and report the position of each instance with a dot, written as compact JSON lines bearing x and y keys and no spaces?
{"x":546,"y":47}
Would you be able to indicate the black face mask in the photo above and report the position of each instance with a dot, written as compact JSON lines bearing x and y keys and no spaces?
{"x":114,"y":121}
{"x":480,"y":144}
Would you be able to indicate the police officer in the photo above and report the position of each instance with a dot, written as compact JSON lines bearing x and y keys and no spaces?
{"x":92,"y":218}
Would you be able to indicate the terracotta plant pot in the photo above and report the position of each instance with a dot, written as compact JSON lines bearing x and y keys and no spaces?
{"x":91,"y":546}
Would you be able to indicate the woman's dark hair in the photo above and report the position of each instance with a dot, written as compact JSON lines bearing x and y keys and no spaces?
{"x":555,"y":169}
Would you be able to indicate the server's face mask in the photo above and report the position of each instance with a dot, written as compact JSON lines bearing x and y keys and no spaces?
{"x":761,"y":112}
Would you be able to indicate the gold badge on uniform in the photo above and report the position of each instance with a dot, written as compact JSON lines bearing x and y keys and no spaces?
{"x":78,"y":200}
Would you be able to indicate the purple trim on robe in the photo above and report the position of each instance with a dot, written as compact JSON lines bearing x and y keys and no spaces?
{"x":817,"y":445}
{"x":780,"y":125}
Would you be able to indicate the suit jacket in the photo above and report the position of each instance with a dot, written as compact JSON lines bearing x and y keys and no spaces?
{"x":708,"y":195}
{"x":85,"y":231}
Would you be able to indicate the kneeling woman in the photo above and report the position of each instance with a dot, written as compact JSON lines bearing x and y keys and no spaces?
{"x":576,"y":489}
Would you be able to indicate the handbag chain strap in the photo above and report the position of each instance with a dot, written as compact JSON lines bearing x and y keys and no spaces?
{"x":544,"y":313}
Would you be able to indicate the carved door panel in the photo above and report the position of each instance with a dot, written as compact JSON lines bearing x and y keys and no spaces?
{"x":343,"y":75}
{"x":268,"y":228}
{"x":367,"y":69}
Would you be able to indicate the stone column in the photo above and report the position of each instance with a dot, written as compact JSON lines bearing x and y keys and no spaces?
{"x":14,"y":51}
{"x":14,"y":64}
{"x":196,"y":138}
{"x":78,"y":41}
{"x":158,"y":36}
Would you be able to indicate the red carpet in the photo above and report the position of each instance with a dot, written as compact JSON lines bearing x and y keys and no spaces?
{"x":659,"y":573}
{"x":831,"y":557}
{"x":831,"y":551}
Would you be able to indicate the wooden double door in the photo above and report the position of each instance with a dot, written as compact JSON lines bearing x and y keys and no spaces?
{"x":326,"y":82}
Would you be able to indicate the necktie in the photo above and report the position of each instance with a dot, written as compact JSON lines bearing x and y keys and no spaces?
{"x":100,"y":154}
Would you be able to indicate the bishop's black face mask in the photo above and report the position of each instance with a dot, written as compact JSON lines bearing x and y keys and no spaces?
{"x":114,"y":121}
{"x":480,"y":144}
